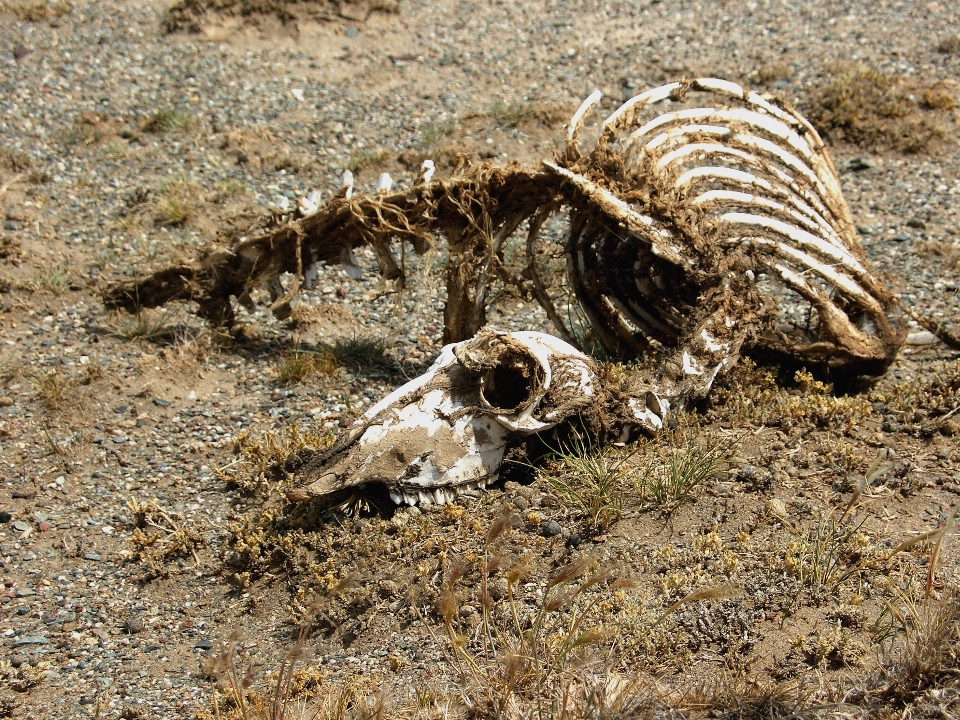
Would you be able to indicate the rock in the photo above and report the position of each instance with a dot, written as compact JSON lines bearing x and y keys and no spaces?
{"x":160,"y":402}
{"x":921,"y":337}
{"x":858,"y":164}
{"x":21,"y":526}
{"x":949,"y":427}
{"x":916,"y":223}
{"x":573,"y":541}
{"x":901,"y":237}
{"x":351,"y":32}
{"x":5,"y":517}
{"x":388,"y":589}
{"x":776,"y":508}
{"x":31,"y":640}
{"x":92,"y":556}
{"x":20,"y":52}
{"x":203,"y":644}
{"x":133,"y":625}
{"x":551,"y":528}
{"x":521,"y":503}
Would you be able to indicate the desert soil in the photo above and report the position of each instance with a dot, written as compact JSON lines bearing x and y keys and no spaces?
{"x":123,"y":148}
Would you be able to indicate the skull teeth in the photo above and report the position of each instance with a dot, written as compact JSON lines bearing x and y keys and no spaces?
{"x":434,"y":496}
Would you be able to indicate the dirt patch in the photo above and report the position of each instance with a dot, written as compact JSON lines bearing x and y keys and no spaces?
{"x":192,"y":15}
{"x":865,"y":107}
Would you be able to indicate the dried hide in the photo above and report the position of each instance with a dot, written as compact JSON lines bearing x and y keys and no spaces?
{"x":447,"y":430}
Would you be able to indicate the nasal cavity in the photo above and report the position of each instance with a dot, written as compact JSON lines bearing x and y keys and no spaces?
{"x":511,"y":384}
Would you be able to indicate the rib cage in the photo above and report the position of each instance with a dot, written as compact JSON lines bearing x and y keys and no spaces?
{"x":717,"y":194}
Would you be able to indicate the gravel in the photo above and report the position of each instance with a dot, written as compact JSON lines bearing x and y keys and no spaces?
{"x":144,"y":421}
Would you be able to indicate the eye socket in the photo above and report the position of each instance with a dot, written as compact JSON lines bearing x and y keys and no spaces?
{"x":510,"y":385}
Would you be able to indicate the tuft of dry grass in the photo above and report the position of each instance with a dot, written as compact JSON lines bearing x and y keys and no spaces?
{"x":949,"y":45}
{"x":865,"y":107}
{"x":515,"y":660}
{"x":588,"y":480}
{"x":14,"y":160}
{"x":146,"y":324}
{"x":176,"y":202}
{"x":771,"y":72}
{"x":53,"y":280}
{"x":736,"y":696}
{"x":36,"y":10}
{"x":928,"y":653}
{"x":53,"y":390}
{"x":364,"y":158}
{"x":168,"y":120}
{"x":511,"y":114}
{"x":679,"y":473}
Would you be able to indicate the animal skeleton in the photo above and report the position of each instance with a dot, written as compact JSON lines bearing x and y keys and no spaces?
{"x":710,"y":230}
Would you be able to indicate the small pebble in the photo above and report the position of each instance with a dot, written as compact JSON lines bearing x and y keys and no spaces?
{"x":551,"y":528}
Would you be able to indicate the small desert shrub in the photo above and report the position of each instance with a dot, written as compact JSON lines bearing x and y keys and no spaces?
{"x":161,"y":536}
{"x":938,"y":99}
{"x":261,"y":460}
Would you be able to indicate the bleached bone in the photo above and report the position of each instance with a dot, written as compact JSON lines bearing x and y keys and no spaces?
{"x":448,"y":429}
{"x":687,"y":230}
{"x":711,"y":198}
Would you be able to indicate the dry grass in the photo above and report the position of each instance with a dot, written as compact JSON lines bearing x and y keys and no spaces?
{"x":357,"y":353}
{"x":55,"y":280}
{"x":53,"y":390}
{"x":680,"y":471}
{"x":865,"y":107}
{"x":949,"y":45}
{"x":946,"y":254}
{"x":737,"y":696}
{"x":366,"y":158}
{"x":511,"y":114}
{"x":14,"y":160}
{"x":924,"y":650}
{"x":169,"y":120}
{"x":588,"y":480}
{"x":176,"y":203}
{"x":151,"y":325}
{"x":518,"y":661}
{"x":36,"y":10}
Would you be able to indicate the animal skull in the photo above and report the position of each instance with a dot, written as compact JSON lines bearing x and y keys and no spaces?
{"x":447,"y":430}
